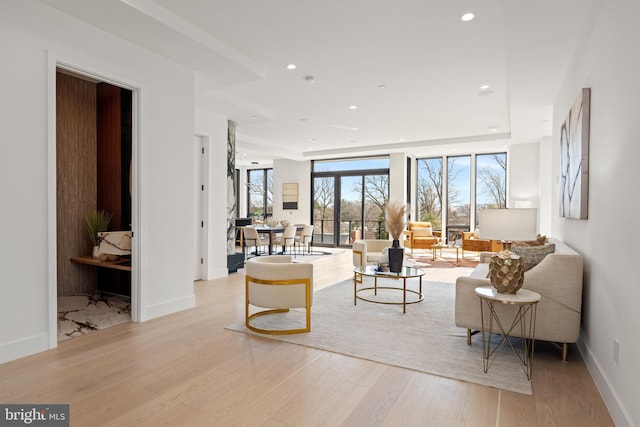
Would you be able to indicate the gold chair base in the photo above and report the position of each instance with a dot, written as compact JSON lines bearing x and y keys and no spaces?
{"x":248,"y":324}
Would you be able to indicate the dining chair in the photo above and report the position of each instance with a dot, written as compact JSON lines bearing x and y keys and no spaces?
{"x":288,"y":239}
{"x":304,"y":238}
{"x":253,"y":239}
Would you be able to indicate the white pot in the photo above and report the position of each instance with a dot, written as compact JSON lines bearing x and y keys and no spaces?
{"x":96,"y":252}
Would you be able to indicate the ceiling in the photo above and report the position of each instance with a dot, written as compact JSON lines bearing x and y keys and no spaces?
{"x":413,"y":68}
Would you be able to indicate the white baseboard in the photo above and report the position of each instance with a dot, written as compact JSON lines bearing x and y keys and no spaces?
{"x":169,"y":307}
{"x":618,"y":413}
{"x":217,"y":273}
{"x":24,"y":347}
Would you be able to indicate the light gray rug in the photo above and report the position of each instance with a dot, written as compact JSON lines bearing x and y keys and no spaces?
{"x":424,"y":339}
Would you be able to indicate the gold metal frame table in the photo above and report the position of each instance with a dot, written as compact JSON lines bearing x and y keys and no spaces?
{"x":441,"y":247}
{"x":525,"y":317}
{"x":372,"y":271}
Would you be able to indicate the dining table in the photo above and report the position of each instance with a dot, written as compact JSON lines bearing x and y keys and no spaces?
{"x":271,"y":231}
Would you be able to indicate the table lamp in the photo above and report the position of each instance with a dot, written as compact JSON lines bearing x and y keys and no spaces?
{"x":506,"y":269}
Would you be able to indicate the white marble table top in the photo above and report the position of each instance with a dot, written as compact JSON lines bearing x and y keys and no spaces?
{"x":523,"y":296}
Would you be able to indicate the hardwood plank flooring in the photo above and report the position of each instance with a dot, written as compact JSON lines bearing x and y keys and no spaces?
{"x":185,"y":369}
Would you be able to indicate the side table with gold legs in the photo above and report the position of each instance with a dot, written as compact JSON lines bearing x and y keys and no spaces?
{"x":525,"y":319}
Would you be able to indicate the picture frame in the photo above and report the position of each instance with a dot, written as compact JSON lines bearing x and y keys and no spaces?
{"x":290,"y":196}
{"x":574,"y":158}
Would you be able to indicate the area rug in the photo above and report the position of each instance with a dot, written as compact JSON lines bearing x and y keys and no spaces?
{"x":82,"y":314}
{"x":424,"y":339}
{"x":427,"y":262}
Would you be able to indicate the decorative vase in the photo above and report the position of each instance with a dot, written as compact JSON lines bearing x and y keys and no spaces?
{"x":96,"y":252}
{"x":396,"y":257}
{"x":506,"y":270}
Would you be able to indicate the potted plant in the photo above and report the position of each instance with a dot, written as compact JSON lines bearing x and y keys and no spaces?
{"x":395,"y":222}
{"x":97,"y":221}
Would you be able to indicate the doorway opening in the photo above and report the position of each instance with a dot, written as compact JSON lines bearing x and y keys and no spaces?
{"x":94,"y":150}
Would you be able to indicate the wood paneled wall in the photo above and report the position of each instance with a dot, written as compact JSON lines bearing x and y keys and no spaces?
{"x":109,"y":153}
{"x":76,"y":180}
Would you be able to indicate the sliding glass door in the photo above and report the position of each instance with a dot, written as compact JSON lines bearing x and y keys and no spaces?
{"x":349,"y":204}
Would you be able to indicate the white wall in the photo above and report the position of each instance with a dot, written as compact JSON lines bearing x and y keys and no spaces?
{"x":523,"y":180}
{"x":29,"y":33}
{"x":610,"y":65}
{"x":398,"y":177}
{"x":290,"y":171}
{"x":214,"y":127}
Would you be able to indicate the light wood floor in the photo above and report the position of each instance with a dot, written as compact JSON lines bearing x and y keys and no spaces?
{"x":186,"y":369}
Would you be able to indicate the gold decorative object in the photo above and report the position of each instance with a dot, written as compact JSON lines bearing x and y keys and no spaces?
{"x":506,"y":270}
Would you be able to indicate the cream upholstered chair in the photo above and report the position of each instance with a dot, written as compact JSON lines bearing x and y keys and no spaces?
{"x":252,"y":238}
{"x":369,"y":251}
{"x":304,"y":238}
{"x":277,"y":284}
{"x":288,"y":239}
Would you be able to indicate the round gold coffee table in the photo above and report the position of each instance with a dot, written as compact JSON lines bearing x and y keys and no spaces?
{"x":372,"y":271}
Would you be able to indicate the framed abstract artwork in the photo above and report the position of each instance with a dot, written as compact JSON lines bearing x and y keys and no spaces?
{"x":290,"y":196}
{"x":574,"y":159}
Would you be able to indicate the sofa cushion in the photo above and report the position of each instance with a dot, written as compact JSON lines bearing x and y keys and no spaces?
{"x":422,"y":232}
{"x":532,"y":255}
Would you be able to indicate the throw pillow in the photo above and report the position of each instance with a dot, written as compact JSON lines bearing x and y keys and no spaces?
{"x":532,"y":255}
{"x":422,"y":232}
{"x":540,"y":240}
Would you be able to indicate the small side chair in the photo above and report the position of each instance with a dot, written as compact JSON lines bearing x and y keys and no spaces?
{"x":277,"y":284}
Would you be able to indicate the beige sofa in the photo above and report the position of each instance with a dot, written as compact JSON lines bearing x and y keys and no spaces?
{"x":557,"y":278}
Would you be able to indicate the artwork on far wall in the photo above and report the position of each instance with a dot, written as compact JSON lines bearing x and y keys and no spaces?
{"x":290,"y":196}
{"x":574,"y":159}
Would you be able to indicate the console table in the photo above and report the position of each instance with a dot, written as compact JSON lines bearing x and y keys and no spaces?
{"x":123,"y":264}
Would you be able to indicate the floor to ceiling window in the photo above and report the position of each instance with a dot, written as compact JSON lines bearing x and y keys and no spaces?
{"x":349,"y":198}
{"x":458,"y":196}
{"x":260,"y":193}
{"x":491,"y":182}
{"x":429,"y":191}
{"x":468,"y":183}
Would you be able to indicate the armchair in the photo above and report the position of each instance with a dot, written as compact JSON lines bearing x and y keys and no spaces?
{"x":276,"y":283}
{"x":470,"y":242}
{"x":368,"y":251}
{"x":420,"y":235}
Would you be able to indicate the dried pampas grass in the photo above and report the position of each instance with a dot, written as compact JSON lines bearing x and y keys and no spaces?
{"x":395,"y":213}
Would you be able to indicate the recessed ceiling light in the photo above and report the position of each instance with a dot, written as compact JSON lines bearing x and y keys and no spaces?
{"x":353,"y":107}
{"x":382,"y":86}
{"x":485,"y":92}
{"x":254,"y":163}
{"x":494,"y":128}
{"x":467,"y":16}
{"x":309,"y":79}
{"x":253,"y":117}
{"x":291,"y":67}
{"x":484,"y":87}
{"x":355,"y":128}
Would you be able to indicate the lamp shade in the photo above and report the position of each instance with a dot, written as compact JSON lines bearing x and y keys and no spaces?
{"x":508,"y":224}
